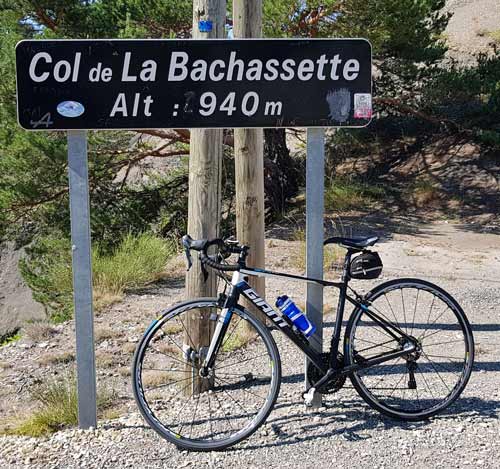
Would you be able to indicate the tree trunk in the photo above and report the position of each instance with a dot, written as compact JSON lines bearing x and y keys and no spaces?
{"x":281,"y":178}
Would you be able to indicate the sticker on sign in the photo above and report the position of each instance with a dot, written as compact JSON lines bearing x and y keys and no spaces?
{"x":117,"y":84}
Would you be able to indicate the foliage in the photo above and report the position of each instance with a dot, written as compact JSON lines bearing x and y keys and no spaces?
{"x":343,"y":194}
{"x":468,"y":98}
{"x":10,"y":338}
{"x":134,"y":262}
{"x":57,"y":407}
{"x":33,"y":168}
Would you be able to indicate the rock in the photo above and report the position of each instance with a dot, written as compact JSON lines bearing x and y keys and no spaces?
{"x":16,"y":299}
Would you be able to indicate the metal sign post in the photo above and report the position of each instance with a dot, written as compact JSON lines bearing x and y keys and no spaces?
{"x":315,"y":184}
{"x":82,"y":276}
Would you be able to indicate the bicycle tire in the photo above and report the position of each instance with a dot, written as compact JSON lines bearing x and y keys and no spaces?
{"x":464,"y":326}
{"x":198,"y":444}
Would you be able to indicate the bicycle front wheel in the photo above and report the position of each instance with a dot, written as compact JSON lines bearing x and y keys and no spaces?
{"x":200,"y":411}
{"x":422,"y":383}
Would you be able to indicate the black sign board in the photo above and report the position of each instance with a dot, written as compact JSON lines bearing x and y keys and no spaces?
{"x":134,"y":84}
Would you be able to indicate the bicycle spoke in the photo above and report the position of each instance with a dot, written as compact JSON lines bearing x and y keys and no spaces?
{"x":444,"y":356}
{"x":443,"y":343}
{"x":194,"y":416}
{"x":210,"y":416}
{"x":404,"y":311}
{"x":170,"y":356}
{"x":439,"y":374}
{"x":383,"y":345}
{"x":159,"y":386}
{"x":187,"y":333}
{"x":425,"y":381}
{"x":394,"y":314}
{"x":212,"y":411}
{"x":414,"y":313}
{"x":244,"y":390}
{"x":235,"y":401}
{"x":240,"y":362}
{"x":423,"y":336}
{"x":231,"y":334}
{"x":440,"y":365}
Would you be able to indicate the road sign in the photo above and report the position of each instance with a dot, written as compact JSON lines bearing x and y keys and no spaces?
{"x":134,"y":84}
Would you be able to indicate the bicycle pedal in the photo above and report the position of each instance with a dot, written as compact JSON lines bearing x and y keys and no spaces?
{"x":309,"y":397}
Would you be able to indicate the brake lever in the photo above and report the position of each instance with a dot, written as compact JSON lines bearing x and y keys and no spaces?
{"x":188,"y":258}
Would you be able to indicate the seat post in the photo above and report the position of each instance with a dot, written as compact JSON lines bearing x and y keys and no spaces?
{"x":340,"y":311}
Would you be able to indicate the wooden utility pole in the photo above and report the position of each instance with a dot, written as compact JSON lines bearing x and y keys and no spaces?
{"x":205,"y":163}
{"x":249,"y":158}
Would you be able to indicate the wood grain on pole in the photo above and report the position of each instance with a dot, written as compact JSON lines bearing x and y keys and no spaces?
{"x":205,"y":163}
{"x":249,"y":158}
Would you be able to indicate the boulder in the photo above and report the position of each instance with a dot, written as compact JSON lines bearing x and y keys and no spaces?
{"x":17,"y":305}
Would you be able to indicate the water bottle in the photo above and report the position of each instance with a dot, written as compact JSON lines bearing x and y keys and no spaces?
{"x":299,"y":319}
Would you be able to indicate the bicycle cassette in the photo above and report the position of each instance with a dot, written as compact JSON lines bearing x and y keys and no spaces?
{"x":314,"y":375}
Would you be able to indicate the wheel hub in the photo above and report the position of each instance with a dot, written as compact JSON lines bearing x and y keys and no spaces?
{"x":414,"y":344}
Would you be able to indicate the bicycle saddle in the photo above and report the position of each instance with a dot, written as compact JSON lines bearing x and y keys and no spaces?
{"x":358,"y":242}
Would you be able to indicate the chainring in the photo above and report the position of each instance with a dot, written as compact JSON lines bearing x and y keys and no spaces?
{"x":335,"y":384}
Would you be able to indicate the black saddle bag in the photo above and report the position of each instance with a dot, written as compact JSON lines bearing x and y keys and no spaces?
{"x":367,"y":265}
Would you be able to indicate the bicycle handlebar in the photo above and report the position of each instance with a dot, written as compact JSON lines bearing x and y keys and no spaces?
{"x":202,"y":245}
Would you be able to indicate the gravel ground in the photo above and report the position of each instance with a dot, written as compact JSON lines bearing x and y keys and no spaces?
{"x":345,"y":432}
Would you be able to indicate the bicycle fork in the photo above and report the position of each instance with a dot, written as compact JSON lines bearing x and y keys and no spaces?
{"x":216,"y":342}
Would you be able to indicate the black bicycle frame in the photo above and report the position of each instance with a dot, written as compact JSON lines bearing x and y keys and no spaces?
{"x":285,"y":325}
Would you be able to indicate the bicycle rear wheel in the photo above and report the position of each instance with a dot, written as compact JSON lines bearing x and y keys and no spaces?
{"x":204,"y":413}
{"x":425,"y":382}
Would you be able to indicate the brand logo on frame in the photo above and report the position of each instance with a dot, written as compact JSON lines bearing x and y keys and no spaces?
{"x":264,"y":307}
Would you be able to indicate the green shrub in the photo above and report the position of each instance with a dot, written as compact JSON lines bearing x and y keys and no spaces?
{"x":136,"y":261}
{"x":9,"y":338}
{"x":57,"y":407}
{"x":350,"y":194}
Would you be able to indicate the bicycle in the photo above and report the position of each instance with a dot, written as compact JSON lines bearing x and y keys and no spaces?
{"x":207,"y":391}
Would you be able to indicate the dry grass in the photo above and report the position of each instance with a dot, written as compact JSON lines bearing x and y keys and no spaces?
{"x":103,"y":333}
{"x":173,"y":328}
{"x":425,"y":194}
{"x":56,"y":358}
{"x":57,"y":407}
{"x":176,"y":266}
{"x":271,"y":243}
{"x":105,"y":359}
{"x":113,"y":413}
{"x":157,"y":378}
{"x":129,"y":347}
{"x":333,"y":255}
{"x":166,"y":347}
{"x":38,"y":331}
{"x":238,"y":338}
{"x":124,"y":371}
{"x":5,"y":365}
{"x":495,"y":36}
